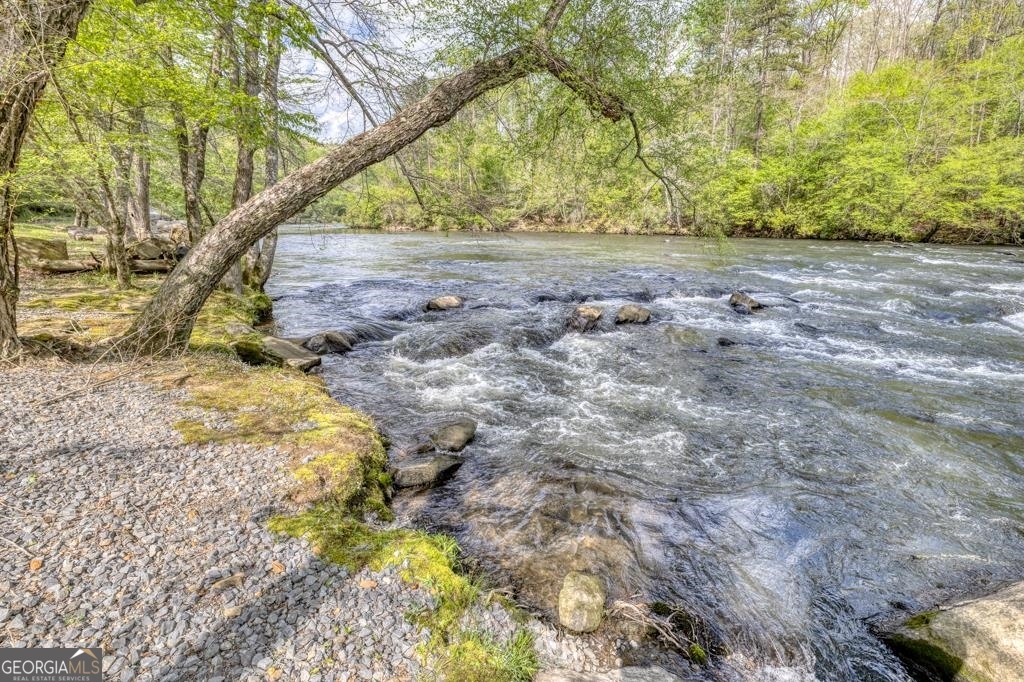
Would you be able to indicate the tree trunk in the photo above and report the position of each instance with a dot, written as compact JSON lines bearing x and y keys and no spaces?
{"x":166,"y":323}
{"x":33,"y":37}
{"x":259,"y":261}
{"x":138,"y":203}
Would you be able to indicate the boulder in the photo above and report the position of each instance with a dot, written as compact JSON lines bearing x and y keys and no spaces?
{"x":454,"y":436}
{"x":328,"y":342}
{"x":742,"y":303}
{"x":632,"y":314}
{"x":153,"y":248}
{"x":444,"y":303}
{"x":271,"y":350}
{"x":32,"y":248}
{"x":981,"y":640}
{"x":423,"y":472}
{"x":584,"y":318}
{"x":628,"y":674}
{"x":581,"y":602}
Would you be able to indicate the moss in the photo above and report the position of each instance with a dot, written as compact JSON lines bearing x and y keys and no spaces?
{"x":697,"y":654}
{"x":920,"y":620}
{"x":926,"y":658}
{"x":431,"y":562}
{"x":337,"y":454}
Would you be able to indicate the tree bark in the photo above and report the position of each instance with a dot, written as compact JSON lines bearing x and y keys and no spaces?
{"x":33,"y":37}
{"x":138,"y":203}
{"x":259,"y":260}
{"x":166,"y":323}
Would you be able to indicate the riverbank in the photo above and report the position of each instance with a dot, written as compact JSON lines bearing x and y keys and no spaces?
{"x":598,"y":227}
{"x":198,"y":517}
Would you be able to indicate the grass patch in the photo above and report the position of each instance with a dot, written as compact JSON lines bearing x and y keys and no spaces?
{"x":476,"y":657}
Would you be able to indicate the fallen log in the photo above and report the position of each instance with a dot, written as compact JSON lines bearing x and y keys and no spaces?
{"x":59,"y":267}
{"x":151,"y":265}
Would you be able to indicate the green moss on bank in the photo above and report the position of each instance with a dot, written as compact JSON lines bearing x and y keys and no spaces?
{"x":430,"y":562}
{"x":336,"y":453}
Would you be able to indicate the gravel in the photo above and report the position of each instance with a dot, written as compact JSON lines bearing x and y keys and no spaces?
{"x":114,"y":533}
{"x":134,"y":530}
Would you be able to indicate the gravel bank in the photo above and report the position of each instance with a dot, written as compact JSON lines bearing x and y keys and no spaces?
{"x":116,"y":534}
{"x":137,"y":534}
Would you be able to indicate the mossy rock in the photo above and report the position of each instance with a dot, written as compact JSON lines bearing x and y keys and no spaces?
{"x":980,"y":640}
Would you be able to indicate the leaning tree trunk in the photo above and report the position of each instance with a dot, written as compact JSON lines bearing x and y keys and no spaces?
{"x":166,"y":323}
{"x":33,"y":37}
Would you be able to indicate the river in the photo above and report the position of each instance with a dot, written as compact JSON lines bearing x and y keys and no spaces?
{"x":857,"y":453}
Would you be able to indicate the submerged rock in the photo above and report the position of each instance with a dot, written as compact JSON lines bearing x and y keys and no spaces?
{"x":743,"y":304}
{"x":581,"y":602}
{"x":725,"y":341}
{"x":424,"y":472}
{"x":584,"y":318}
{"x":628,"y":674}
{"x":454,"y":436}
{"x":444,"y":303}
{"x":271,"y":350}
{"x":632,"y":314}
{"x":980,"y":640}
{"x":328,"y":342}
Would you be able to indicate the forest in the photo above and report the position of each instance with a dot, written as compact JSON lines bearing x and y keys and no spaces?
{"x":837,"y":119}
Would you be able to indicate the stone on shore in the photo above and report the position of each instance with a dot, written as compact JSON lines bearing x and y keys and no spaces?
{"x":743,"y":304}
{"x":581,"y":602}
{"x":981,"y":640}
{"x":425,"y":472}
{"x":271,"y":350}
{"x":584,"y":318}
{"x":454,"y":436}
{"x":32,"y":248}
{"x":629,"y":674}
{"x":153,"y":248}
{"x":632,"y":314}
{"x":444,"y":303}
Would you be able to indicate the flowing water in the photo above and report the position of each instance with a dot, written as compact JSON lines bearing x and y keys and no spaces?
{"x":859,"y":451}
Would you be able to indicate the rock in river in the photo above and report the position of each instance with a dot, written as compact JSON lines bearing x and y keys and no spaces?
{"x":444,"y":303}
{"x":425,"y":471}
{"x":328,"y":342}
{"x":584,"y":318}
{"x":632,"y":314}
{"x":581,"y":602}
{"x":981,"y":640}
{"x":454,"y":436}
{"x":742,"y":303}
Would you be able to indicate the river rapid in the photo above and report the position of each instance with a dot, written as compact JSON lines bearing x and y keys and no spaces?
{"x":857,"y":453}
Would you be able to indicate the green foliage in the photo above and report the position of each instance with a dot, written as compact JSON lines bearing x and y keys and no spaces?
{"x":752,"y":139}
